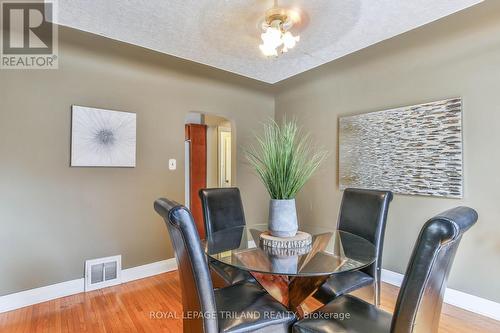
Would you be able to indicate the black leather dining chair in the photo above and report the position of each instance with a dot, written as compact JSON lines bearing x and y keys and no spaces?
{"x":363,"y":213}
{"x":223,"y":210}
{"x":242,"y":307}
{"x":420,"y":298}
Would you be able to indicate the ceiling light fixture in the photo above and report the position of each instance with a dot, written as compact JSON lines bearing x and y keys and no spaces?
{"x":276,"y":37}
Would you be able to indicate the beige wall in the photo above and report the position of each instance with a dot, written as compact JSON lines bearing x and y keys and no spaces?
{"x":52,"y":216}
{"x":457,"y":56}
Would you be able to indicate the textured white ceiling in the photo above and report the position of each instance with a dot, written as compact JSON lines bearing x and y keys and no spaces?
{"x":225,"y":33}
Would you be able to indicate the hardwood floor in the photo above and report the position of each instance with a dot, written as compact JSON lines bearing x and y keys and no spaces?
{"x":144,"y":306}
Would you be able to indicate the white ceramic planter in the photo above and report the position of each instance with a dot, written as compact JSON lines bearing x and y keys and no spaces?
{"x":283,"y":218}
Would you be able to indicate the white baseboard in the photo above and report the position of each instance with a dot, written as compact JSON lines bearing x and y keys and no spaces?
{"x":454,"y":297}
{"x":67,"y":288}
{"x":42,"y":294}
{"x":29,"y":297}
{"x":390,"y":277}
{"x":140,"y":272}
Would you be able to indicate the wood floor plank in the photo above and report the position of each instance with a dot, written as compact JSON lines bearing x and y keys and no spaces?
{"x":154,"y":305}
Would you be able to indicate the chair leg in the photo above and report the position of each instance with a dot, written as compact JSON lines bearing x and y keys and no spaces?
{"x":376,"y":293}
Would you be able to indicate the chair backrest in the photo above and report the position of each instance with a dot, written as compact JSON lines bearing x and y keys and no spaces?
{"x":420,"y":299}
{"x":197,"y":290}
{"x":364,"y":213}
{"x":222,"y":209}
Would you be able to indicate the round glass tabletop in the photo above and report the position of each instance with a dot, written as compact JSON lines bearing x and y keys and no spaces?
{"x":332,"y":251}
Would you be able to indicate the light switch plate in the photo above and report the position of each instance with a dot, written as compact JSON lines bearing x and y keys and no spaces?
{"x":172,"y":164}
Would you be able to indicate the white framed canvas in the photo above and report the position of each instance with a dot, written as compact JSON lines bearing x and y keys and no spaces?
{"x":102,"y":138}
{"x":415,"y":150}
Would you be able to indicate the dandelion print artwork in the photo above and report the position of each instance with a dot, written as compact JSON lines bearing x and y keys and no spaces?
{"x":102,"y":138}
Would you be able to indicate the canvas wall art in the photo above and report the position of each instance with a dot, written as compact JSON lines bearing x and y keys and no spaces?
{"x":102,"y":138}
{"x":409,"y":150}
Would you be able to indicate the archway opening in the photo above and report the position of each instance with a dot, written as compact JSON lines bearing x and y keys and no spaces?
{"x":209,"y":143}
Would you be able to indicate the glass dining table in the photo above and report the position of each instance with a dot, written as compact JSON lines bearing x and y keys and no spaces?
{"x":291,"y":275}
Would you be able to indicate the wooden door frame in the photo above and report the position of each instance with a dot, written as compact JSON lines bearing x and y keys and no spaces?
{"x":198,"y":172}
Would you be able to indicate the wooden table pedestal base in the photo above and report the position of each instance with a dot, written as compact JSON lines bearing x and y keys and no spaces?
{"x":291,"y":291}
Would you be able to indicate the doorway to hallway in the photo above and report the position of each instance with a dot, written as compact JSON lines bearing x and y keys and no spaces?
{"x":209,"y":145}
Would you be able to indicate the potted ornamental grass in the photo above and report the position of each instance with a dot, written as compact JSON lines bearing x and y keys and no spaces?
{"x":284,"y":159}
